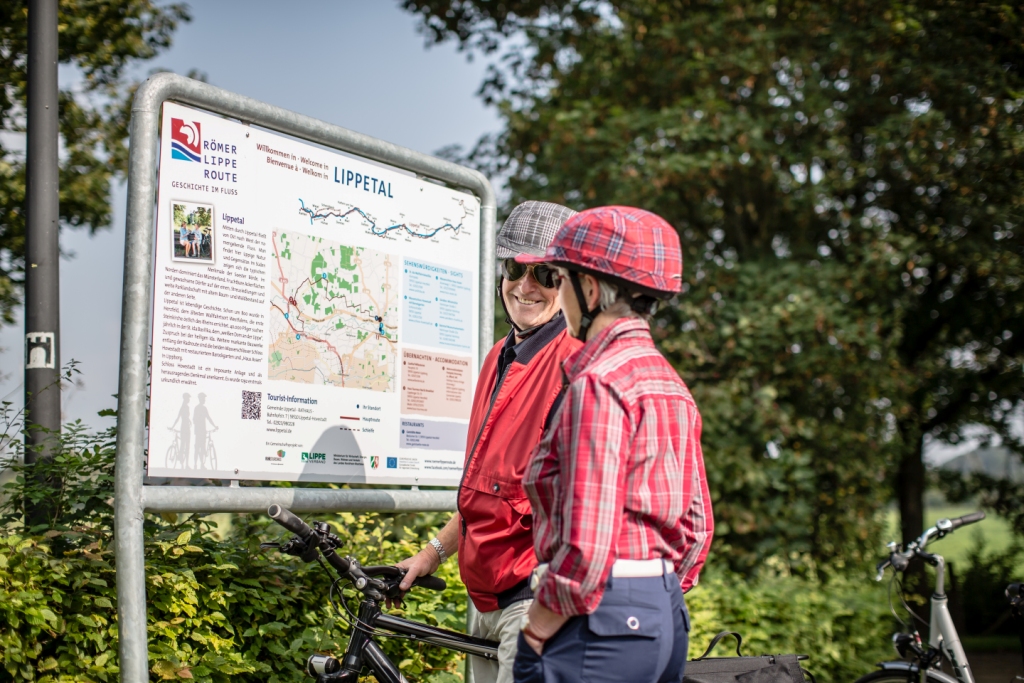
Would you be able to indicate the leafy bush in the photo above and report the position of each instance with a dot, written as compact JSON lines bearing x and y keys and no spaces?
{"x":983,"y":587}
{"x":222,"y":609}
{"x":217,"y":609}
{"x":844,"y":625}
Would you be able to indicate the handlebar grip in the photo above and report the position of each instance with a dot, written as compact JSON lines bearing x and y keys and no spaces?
{"x":289,"y":521}
{"x":968,"y":519}
{"x":433,"y":583}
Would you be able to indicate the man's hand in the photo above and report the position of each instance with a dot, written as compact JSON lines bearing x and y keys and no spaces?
{"x":423,"y":563}
{"x":544,"y":623}
{"x":426,"y":561}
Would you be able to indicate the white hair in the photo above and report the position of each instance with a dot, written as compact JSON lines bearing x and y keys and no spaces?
{"x":614,"y":299}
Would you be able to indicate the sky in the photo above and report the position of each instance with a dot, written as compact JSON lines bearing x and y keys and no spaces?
{"x":356,"y":63}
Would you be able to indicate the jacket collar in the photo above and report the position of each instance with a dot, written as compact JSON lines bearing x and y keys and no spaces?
{"x":623,"y":328}
{"x":532,"y":345}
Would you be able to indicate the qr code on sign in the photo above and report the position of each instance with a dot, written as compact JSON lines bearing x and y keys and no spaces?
{"x":251,"y":404}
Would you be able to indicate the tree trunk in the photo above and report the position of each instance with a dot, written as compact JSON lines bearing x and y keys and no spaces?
{"x":910,"y":484}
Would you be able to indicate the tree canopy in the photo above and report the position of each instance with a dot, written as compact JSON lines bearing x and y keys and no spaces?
{"x":847,"y":182}
{"x":100,"y":40}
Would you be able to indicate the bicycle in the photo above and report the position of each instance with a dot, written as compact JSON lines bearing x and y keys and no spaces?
{"x":943,"y":641}
{"x":176,"y":455}
{"x":319,"y":544}
{"x":209,"y":454}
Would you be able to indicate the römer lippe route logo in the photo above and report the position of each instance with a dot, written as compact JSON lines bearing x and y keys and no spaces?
{"x":186,"y":141}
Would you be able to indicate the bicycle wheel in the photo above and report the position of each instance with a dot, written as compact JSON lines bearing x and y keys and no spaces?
{"x":897,"y":676}
{"x":211,"y":453}
{"x":171,"y":458}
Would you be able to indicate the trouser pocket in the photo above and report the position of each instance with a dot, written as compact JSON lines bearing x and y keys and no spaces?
{"x":527,"y":667}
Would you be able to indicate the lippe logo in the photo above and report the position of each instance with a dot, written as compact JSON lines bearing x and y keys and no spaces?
{"x":185,"y":140}
{"x":374,"y":462}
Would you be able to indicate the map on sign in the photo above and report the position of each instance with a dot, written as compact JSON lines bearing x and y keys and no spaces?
{"x":347,"y":214}
{"x":333,"y":314}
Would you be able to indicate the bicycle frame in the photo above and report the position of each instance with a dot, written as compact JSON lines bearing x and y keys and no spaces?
{"x":363,"y":651}
{"x":942,"y":634}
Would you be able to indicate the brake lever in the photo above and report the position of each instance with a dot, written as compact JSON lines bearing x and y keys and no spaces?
{"x":289,"y":547}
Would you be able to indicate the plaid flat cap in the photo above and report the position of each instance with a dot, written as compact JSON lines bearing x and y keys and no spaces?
{"x":530,"y":228}
{"x":633,"y":245}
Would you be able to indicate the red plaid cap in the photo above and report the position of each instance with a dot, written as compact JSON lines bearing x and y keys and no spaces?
{"x":630,"y":244}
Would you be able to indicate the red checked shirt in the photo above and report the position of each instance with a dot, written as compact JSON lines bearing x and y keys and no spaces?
{"x":620,"y":472}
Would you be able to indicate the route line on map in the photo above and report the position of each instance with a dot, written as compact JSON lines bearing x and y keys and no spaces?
{"x":378,"y":231}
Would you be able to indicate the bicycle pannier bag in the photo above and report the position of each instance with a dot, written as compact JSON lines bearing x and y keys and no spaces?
{"x":740,"y":669}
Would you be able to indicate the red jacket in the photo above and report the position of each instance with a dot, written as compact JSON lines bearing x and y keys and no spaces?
{"x":496,"y":541}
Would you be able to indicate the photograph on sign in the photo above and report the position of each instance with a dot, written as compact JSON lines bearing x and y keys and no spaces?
{"x":192,"y":231}
{"x":315,"y":315}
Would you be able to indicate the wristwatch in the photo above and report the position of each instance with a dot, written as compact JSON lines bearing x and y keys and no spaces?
{"x":439,"y":548}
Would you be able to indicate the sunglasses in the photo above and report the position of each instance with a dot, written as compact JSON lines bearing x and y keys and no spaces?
{"x":545,"y":275}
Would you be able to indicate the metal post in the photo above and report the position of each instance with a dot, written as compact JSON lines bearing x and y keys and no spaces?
{"x":131,"y":408}
{"x":42,"y":248}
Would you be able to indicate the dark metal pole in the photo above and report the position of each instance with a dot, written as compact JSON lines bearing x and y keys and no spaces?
{"x":42,"y":254}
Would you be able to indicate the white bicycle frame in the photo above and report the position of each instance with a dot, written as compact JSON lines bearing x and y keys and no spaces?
{"x":942,"y":633}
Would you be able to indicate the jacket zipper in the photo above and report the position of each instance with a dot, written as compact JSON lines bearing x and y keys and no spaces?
{"x":476,"y":442}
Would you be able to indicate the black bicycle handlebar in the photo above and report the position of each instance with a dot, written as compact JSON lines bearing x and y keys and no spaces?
{"x":967,"y":519}
{"x":289,"y":521}
{"x":327,"y":543}
{"x":390,"y":571}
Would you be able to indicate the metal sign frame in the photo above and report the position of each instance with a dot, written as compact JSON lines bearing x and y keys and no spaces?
{"x":131,"y":498}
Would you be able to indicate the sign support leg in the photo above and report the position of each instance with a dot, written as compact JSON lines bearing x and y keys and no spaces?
{"x":132,"y":395}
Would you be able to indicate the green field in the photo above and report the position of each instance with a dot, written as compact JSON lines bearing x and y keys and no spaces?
{"x":994,"y":532}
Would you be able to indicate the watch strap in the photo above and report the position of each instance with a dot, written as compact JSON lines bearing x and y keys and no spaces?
{"x":439,"y":549}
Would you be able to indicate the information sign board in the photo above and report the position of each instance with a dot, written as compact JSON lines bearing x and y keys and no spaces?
{"x":315,"y":315}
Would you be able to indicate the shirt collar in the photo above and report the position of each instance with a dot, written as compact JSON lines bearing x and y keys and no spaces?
{"x":621,"y":328}
{"x":524,"y":351}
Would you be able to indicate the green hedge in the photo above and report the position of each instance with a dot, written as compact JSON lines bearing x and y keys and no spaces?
{"x":221,"y":609}
{"x":844,"y":625}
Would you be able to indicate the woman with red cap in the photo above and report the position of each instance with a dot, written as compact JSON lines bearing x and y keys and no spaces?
{"x":622,"y":515}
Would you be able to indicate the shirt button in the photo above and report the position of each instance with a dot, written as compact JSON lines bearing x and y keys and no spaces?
{"x":496,"y":488}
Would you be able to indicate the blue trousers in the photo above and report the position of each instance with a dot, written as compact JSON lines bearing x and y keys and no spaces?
{"x":639,"y":634}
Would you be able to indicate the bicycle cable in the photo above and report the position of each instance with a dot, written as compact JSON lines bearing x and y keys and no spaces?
{"x":330,"y":597}
{"x":355,"y":622}
{"x":899,"y":592}
{"x":892,"y":608}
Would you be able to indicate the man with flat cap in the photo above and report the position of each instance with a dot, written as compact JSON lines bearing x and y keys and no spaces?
{"x":518,"y":387}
